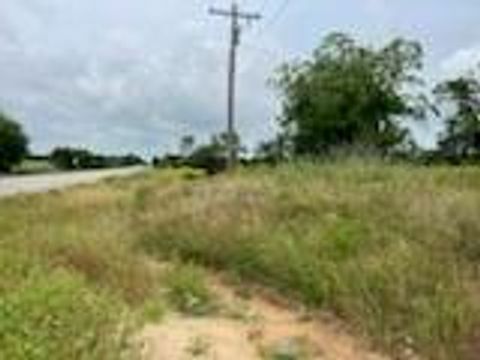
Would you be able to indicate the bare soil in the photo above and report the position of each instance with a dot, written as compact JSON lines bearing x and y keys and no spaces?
{"x":249,"y":329}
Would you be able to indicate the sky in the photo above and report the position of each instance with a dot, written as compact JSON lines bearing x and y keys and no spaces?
{"x":120,"y":76}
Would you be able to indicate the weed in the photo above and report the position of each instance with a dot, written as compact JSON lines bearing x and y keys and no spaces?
{"x":187,"y":290}
{"x":389,"y":248}
{"x":288,"y":349}
{"x":154,"y":309}
{"x":58,"y":317}
{"x":68,"y":273}
{"x":198,"y":347}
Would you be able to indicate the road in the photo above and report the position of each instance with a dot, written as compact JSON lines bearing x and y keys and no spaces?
{"x":13,"y":185}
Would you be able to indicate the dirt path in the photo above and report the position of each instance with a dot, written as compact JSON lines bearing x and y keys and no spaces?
{"x":251,"y":329}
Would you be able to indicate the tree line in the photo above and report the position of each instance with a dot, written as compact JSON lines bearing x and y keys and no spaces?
{"x":14,"y":149}
{"x":65,"y":158}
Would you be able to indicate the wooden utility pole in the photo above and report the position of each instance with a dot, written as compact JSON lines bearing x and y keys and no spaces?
{"x":235,"y":16}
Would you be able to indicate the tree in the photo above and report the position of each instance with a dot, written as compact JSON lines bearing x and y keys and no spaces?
{"x":65,"y":158}
{"x":273,"y":151}
{"x":213,"y":156}
{"x":461,"y":97}
{"x":349,"y":95}
{"x":13,"y":143}
{"x":187,"y":144}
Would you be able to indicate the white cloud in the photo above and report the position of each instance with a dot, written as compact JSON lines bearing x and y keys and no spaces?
{"x":461,"y":62}
{"x":110,"y":78}
{"x":377,"y":7}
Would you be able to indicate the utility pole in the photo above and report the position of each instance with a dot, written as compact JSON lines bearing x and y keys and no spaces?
{"x":235,"y":16}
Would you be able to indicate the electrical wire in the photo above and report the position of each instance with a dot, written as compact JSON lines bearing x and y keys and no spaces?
{"x":276,"y":16}
{"x":263,"y":5}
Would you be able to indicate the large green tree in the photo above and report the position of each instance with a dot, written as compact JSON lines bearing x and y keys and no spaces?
{"x":13,"y":143}
{"x":350,"y":95}
{"x":460,"y":98}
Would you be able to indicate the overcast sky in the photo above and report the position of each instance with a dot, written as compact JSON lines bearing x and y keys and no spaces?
{"x":136,"y":75}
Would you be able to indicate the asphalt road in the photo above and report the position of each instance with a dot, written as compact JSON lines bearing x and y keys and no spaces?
{"x":13,"y":185}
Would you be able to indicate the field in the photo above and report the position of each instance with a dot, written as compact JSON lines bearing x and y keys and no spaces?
{"x":391,"y":250}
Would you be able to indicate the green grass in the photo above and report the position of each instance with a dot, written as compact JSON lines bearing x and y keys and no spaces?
{"x":58,"y":317}
{"x":188,"y":290}
{"x":30,"y":167}
{"x":393,"y":250}
{"x":71,"y":285}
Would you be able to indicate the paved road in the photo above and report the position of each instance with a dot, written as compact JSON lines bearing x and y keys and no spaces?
{"x":13,"y":185}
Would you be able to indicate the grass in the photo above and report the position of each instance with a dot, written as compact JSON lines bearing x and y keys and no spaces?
{"x":188,"y":291}
{"x":71,"y":286}
{"x":58,"y":317}
{"x":33,"y":166}
{"x":288,"y":349}
{"x":391,"y":249}
{"x":198,"y":348}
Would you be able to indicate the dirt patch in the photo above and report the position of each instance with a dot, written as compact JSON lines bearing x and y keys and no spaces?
{"x":251,"y":329}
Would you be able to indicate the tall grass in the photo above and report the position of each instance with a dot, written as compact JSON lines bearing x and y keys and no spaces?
{"x":394,"y":250}
{"x":70,"y":283}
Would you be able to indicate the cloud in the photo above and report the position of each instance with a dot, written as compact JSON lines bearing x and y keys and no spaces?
{"x":377,"y":7}
{"x":461,"y":62}
{"x":81,"y":75}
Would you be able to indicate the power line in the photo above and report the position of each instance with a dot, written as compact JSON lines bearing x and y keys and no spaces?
{"x":278,"y":13}
{"x":263,"y":5}
{"x":275,"y":17}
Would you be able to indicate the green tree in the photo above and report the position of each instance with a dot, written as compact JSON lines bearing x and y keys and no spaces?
{"x":13,"y":143}
{"x":461,"y":99}
{"x":65,"y":158}
{"x":213,"y":156}
{"x":349,"y":95}
{"x":273,"y":151}
{"x":187,"y":144}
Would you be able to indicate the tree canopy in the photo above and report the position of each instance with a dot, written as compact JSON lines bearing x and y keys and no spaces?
{"x":350,"y":95}
{"x":66,"y":158}
{"x":13,"y":143}
{"x":461,"y":97}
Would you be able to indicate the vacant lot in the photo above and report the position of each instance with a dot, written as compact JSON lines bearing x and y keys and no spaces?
{"x":393,"y":251}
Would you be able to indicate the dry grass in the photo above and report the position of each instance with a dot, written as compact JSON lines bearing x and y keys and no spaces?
{"x":69,"y":278}
{"x":393,"y":250}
